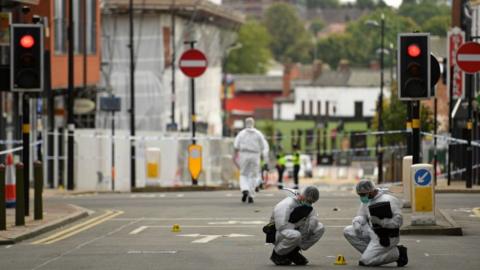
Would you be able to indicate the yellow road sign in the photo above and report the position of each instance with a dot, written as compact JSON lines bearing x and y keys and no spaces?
{"x":195,"y":160}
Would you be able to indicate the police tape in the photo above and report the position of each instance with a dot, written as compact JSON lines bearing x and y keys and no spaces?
{"x":449,"y":138}
{"x":459,"y":171}
{"x":139,"y":138}
{"x":20,"y":148}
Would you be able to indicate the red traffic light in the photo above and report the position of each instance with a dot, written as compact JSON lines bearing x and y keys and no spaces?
{"x":27,"y":41}
{"x":414,"y":50}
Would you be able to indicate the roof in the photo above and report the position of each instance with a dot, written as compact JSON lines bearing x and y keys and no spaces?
{"x":352,"y":78}
{"x":185,"y":8}
{"x":258,"y":83}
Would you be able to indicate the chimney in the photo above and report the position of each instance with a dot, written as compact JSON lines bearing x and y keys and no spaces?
{"x":316,"y":69}
{"x":288,"y":70}
{"x":344,"y":65}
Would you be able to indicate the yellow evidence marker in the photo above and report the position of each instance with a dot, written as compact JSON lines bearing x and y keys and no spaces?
{"x":176,"y":228}
{"x":340,"y":260}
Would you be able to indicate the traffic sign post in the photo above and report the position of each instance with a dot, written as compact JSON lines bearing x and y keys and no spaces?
{"x":193,"y":63}
{"x":468,"y":57}
{"x":423,"y":195}
{"x":455,"y":76}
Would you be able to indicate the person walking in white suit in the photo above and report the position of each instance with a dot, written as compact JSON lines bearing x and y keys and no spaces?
{"x":249,"y":145}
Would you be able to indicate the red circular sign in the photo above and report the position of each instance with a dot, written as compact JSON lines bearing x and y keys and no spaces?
{"x":468,"y":57}
{"x":193,"y":63}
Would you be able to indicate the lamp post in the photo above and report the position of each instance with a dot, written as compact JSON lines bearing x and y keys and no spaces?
{"x":379,"y":145}
{"x":234,"y":46}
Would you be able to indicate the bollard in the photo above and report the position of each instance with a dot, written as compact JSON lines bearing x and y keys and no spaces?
{"x":3,"y":212}
{"x":38,"y":186}
{"x":407,"y":181}
{"x":20,"y":207}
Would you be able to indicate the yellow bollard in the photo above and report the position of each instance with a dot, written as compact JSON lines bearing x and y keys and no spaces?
{"x":340,"y":260}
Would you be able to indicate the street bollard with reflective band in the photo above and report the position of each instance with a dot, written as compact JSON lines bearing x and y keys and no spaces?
{"x":3,"y":212}
{"x":407,"y":181}
{"x":38,"y":185}
{"x":423,"y":195}
{"x":20,"y":206}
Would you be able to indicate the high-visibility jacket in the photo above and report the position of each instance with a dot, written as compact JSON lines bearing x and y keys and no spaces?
{"x":296,"y":158}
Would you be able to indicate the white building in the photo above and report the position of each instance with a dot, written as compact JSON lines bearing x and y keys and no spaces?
{"x":211,"y":25}
{"x":350,"y":94}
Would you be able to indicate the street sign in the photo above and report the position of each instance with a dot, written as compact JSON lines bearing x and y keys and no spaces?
{"x":423,"y":194}
{"x":468,"y":57}
{"x":423,"y":177}
{"x":193,"y":63}
{"x":195,"y":160}
{"x":455,"y":76}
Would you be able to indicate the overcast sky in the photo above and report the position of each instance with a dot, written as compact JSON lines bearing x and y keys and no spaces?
{"x":394,"y":3}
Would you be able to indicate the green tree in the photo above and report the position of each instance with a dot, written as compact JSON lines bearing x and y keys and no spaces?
{"x":323,"y":3}
{"x":290,"y":39}
{"x":316,"y":26}
{"x":437,"y":25}
{"x":423,"y":11}
{"x":365,"y":4}
{"x":361,"y":41}
{"x":394,"y":117}
{"x":254,"y":55}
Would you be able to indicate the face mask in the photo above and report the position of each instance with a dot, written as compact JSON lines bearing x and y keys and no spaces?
{"x":364,"y":199}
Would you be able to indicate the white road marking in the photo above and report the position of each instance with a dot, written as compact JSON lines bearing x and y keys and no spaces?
{"x":207,"y":238}
{"x":138,"y":230}
{"x":9,"y":246}
{"x":427,"y":255}
{"x":232,"y":222}
{"x":152,"y":252}
{"x":206,"y":219}
{"x":180,"y":195}
{"x":229,"y":195}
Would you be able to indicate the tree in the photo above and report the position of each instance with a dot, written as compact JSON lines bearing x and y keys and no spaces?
{"x":423,"y":11}
{"x":361,"y":41}
{"x":365,"y":4}
{"x":394,"y":117}
{"x":437,"y":25}
{"x":254,"y":55}
{"x":290,"y":39}
{"x":316,"y":26}
{"x":323,"y":3}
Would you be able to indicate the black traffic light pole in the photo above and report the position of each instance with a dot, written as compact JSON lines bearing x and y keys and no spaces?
{"x":415,"y":115}
{"x":380,"y":105}
{"x":26,"y":150}
{"x":192,"y":104}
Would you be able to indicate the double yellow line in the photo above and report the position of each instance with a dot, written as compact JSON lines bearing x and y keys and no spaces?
{"x":69,"y":232}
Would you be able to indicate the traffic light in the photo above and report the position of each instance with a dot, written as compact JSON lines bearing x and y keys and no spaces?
{"x":26,"y":61}
{"x":414,"y":66}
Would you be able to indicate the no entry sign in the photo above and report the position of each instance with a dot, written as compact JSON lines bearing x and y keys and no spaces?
{"x":468,"y":57}
{"x":193,"y":63}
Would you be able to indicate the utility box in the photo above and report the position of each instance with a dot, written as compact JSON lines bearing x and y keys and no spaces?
{"x":423,"y":195}
{"x":153,"y":159}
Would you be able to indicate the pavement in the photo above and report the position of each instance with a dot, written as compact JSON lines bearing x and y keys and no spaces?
{"x":217,"y":232}
{"x":55,"y":216}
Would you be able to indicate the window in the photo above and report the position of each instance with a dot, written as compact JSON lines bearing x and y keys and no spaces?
{"x":311,"y":107}
{"x":319,"y":108}
{"x":303,"y":107}
{"x":327,"y":108}
{"x":60,"y":23}
{"x":358,"y":109}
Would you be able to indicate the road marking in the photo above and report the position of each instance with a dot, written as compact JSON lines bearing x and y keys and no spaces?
{"x":152,"y":252}
{"x":233,"y":222}
{"x":180,"y":195}
{"x":476,"y":211}
{"x":9,"y":246}
{"x":78,"y":247}
{"x":78,"y":228}
{"x":208,"y":238}
{"x":138,"y":230}
{"x":206,"y":219}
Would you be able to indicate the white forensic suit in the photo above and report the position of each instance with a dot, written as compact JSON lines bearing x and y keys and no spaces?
{"x":303,"y":234}
{"x":362,"y":237}
{"x":250,"y":144}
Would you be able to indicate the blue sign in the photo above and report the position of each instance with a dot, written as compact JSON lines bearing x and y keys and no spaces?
{"x":423,"y":177}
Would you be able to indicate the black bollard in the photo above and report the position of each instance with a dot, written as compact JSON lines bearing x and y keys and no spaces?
{"x":20,"y":206}
{"x":38,"y":186}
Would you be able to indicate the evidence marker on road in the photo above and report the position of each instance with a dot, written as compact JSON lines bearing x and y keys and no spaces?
{"x":71,"y":231}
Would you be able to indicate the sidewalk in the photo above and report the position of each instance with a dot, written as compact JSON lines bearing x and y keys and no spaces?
{"x":55,"y":215}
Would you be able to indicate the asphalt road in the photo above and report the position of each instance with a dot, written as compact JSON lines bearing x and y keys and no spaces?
{"x":133,"y":231}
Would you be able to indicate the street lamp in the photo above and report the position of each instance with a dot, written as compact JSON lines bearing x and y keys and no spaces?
{"x":232,"y":47}
{"x":380,"y":98}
